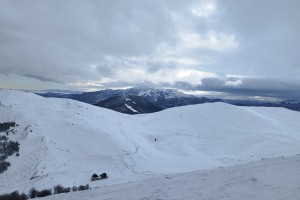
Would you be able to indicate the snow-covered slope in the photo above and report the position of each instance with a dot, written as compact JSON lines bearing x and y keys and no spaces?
{"x":157,"y":93}
{"x":129,"y":105}
{"x":64,"y":141}
{"x":274,"y":179}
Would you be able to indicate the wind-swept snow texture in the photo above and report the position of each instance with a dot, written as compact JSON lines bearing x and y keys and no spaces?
{"x":64,"y":141}
{"x":268,"y":179}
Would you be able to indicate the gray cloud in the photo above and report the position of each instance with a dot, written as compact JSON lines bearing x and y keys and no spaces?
{"x":247,"y":86}
{"x":152,"y":42}
{"x":267,"y":32}
{"x":60,"y":40}
{"x":41,"y":78}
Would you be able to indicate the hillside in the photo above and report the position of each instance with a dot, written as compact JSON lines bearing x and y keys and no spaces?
{"x":64,"y":141}
{"x":266,"y":179}
{"x":129,"y":105}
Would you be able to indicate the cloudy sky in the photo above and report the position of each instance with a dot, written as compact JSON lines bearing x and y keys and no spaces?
{"x":249,"y":46}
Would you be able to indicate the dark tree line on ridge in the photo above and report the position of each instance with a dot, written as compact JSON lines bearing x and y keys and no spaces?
{"x":34,"y":193}
{"x":7,"y":147}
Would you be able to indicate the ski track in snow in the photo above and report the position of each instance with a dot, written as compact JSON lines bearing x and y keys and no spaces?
{"x":130,"y":155}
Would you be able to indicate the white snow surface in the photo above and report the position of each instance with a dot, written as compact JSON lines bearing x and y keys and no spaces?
{"x":167,"y":93}
{"x":131,"y":108}
{"x":64,"y":141}
{"x":268,"y":179}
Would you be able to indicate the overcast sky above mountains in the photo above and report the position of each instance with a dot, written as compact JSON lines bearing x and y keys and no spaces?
{"x":229,"y":46}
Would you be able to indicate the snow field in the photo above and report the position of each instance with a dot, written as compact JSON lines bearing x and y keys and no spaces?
{"x":274,"y":179}
{"x":65,"y":141}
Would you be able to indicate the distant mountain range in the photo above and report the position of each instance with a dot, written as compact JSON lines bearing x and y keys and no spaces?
{"x":147,"y":100}
{"x":289,"y":104}
{"x":158,"y":96}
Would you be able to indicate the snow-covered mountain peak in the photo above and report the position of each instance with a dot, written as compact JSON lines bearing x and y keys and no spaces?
{"x":156,"y":93}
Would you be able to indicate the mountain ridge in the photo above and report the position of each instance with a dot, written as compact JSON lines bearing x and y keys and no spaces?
{"x":168,"y":98}
{"x":129,"y":105}
{"x":73,"y":140}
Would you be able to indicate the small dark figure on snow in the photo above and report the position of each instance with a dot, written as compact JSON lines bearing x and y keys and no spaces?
{"x":95,"y":176}
{"x":103,"y":175}
{"x":155,"y":139}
